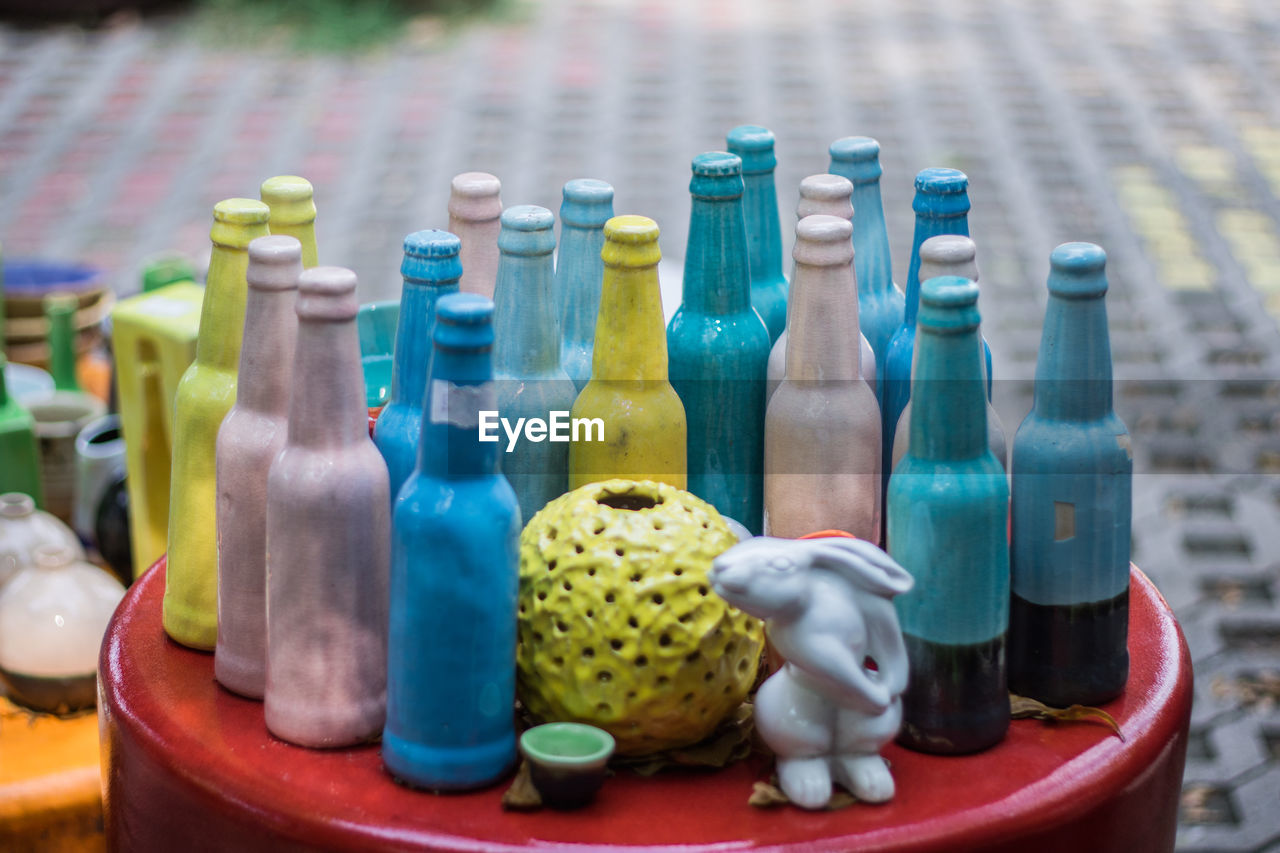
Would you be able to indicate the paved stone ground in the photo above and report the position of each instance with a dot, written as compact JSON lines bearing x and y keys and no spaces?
{"x":1152,"y":128}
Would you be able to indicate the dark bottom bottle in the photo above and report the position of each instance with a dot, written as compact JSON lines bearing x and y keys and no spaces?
{"x":957,"y":698}
{"x":1069,"y":654}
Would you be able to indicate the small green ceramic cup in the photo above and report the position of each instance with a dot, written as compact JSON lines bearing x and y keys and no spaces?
{"x":566,"y":762}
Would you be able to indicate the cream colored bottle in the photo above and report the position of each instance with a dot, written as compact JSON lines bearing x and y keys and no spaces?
{"x":475,"y":205}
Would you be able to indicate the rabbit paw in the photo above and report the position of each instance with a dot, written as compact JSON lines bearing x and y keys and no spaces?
{"x":805,"y":781}
{"x":867,"y":777}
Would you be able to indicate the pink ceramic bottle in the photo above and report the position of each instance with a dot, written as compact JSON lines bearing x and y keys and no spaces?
{"x":474,"y":207}
{"x":328,"y":536}
{"x":828,"y":194}
{"x":250,"y":438}
{"x":822,"y":428}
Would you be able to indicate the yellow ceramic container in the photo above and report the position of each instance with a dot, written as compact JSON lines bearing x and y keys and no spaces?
{"x":205,"y":394}
{"x":293,"y":212}
{"x":643,"y":422}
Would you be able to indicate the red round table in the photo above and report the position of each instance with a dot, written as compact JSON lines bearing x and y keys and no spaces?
{"x":189,"y":766}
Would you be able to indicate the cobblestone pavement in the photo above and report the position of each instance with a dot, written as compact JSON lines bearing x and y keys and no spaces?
{"x":1152,"y":128}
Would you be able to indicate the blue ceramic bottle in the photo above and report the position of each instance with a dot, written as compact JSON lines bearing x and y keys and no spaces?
{"x":430,"y":270}
{"x":719,"y":348}
{"x":754,"y":145}
{"x":942,"y":207}
{"x":948,"y":519}
{"x":454,"y":576}
{"x":1072,"y":503}
{"x":587,"y":205}
{"x":530,"y":382}
{"x":880,"y":302}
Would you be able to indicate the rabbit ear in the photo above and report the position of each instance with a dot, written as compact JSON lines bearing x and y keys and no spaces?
{"x":863,"y":564}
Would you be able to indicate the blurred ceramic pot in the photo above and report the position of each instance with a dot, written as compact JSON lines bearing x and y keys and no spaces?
{"x":59,"y":417}
{"x":111,"y":529}
{"x":53,"y":616}
{"x":23,"y":528}
{"x":99,"y":463}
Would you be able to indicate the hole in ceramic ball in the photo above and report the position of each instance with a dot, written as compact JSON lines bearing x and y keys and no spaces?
{"x":657,"y":598}
{"x":664,"y":640}
{"x":599,"y":529}
{"x":663,"y":680}
{"x":558,"y":661}
{"x":551,"y":566}
{"x":708,"y":675}
{"x":619,"y":552}
{"x":635,"y":578}
{"x":657,"y":524}
{"x":551,"y":534}
{"x":590,"y":614}
{"x":685,"y":617}
{"x":688,"y":697}
{"x":591,"y":572}
{"x":642,"y":660}
{"x":604,"y":708}
{"x":677,"y":571}
{"x":742,"y":665}
{"x":578,"y":548}
{"x":633,"y":622}
{"x":615,"y":644}
{"x":628,"y":502}
{"x":588,"y":652}
{"x":562,"y":627}
{"x":631,"y":694}
{"x":728,"y":688}
{"x":702,"y":591}
{"x":542,"y":595}
{"x":692,"y":657}
{"x":537,"y":636}
{"x":706,"y":525}
{"x":568,"y":587}
{"x":609,"y":598}
{"x":605,"y":675}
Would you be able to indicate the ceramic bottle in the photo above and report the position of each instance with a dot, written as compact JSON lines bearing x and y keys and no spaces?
{"x":826,"y":194}
{"x":643,"y":429}
{"x":19,"y":452}
{"x":754,"y":145}
{"x":1072,"y":503}
{"x":951,"y":254}
{"x":60,"y":312}
{"x":587,"y":206}
{"x":719,"y":348}
{"x":947,"y":525}
{"x":293,"y":212}
{"x":328,"y":536}
{"x":475,"y":204}
{"x":529,"y":381}
{"x":205,"y":394}
{"x":23,"y":528}
{"x":455,"y":568}
{"x":252,"y":435}
{"x":822,"y":430}
{"x":430,"y":270}
{"x":880,"y":302}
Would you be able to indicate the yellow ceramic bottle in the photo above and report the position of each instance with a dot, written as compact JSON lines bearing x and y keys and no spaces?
{"x":293,"y":212}
{"x":641,"y":418}
{"x":205,"y":394}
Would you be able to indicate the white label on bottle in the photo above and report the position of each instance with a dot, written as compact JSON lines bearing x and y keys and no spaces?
{"x":460,"y":405}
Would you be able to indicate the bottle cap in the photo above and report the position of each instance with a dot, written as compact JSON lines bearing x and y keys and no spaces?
{"x":527,"y":230}
{"x":856,"y":157}
{"x":588,"y":203}
{"x":463,"y":321}
{"x":949,"y":305}
{"x":823,"y":240}
{"x":475,"y":197}
{"x":716,"y":174}
{"x":275,"y":262}
{"x":431,"y":257}
{"x":941,"y":193}
{"x":16,"y":505}
{"x":754,"y":144}
{"x":237,"y":221}
{"x":291,"y":200}
{"x":327,"y":293}
{"x":825,"y":194}
{"x":1078,"y":271}
{"x":948,"y":254}
{"x":631,"y":241}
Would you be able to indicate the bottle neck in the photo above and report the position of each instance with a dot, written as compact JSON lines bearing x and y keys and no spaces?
{"x":631,"y":341}
{"x":526,"y":325}
{"x":822,"y":336}
{"x":929,"y":225}
{"x":716,"y":277}
{"x":4,"y":388}
{"x":871,"y":257}
{"x":266,"y":358}
{"x":304,"y":233}
{"x":459,"y":387}
{"x":222,"y":311}
{"x":413,"y":339}
{"x":764,"y":228}
{"x":948,"y":396}
{"x":580,"y":269}
{"x":62,"y":352}
{"x":327,"y":408}
{"x":1073,"y":369}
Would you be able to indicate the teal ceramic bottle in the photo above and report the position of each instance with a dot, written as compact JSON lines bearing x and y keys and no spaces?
{"x":719,"y":348}
{"x":587,"y":206}
{"x":430,"y":270}
{"x":880,"y":302}
{"x":754,"y":145}
{"x":19,"y":452}
{"x":948,"y":521}
{"x":532,"y":387}
{"x":1072,"y":503}
{"x":454,"y":577}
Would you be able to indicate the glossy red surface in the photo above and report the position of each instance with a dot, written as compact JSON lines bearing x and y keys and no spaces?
{"x":190,"y":766}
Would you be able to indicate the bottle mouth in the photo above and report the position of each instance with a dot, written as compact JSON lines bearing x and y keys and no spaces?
{"x":52,"y":556}
{"x":16,"y":505}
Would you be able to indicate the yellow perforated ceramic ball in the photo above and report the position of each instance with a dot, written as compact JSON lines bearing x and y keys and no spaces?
{"x":619,"y":627}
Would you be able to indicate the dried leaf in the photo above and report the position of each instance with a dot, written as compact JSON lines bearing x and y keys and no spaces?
{"x":730,"y":742}
{"x":766,"y":795}
{"x":522,"y":795}
{"x":1020,"y":707}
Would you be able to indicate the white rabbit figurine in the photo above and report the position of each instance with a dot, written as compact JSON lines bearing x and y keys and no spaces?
{"x":829,"y":611}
